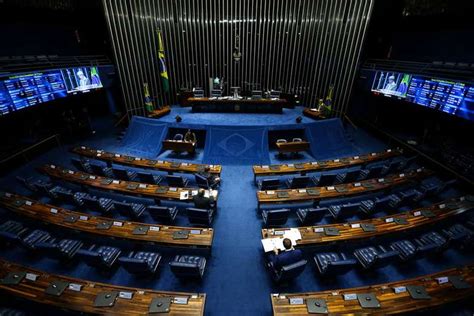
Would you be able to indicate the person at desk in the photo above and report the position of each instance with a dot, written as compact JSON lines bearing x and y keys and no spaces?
{"x":190,"y":137}
{"x":211,"y":179}
{"x":289,"y":255}
{"x":203,"y":202}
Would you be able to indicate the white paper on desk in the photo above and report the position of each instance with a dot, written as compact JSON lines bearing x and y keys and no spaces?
{"x":194,"y":192}
{"x":208,"y":193}
{"x":270,"y":243}
{"x":183,"y":195}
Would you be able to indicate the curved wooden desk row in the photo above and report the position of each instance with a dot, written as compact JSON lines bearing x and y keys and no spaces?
{"x":156,"y":113}
{"x":137,"y":162}
{"x":313,"y":113}
{"x":325,"y":234}
{"x":410,"y":295}
{"x":125,"y":187}
{"x":315,"y":166}
{"x":93,"y":298}
{"x":172,"y":236}
{"x":341,"y":190}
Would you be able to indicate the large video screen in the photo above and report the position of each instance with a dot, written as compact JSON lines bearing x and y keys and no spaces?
{"x":81,"y":79}
{"x":28,"y":89}
{"x":451,"y":97}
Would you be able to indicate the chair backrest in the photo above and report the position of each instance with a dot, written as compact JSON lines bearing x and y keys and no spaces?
{"x":97,"y":169}
{"x":198,"y":93}
{"x":327,"y":179}
{"x":300,"y":181}
{"x":77,"y":163}
{"x":268,"y":184}
{"x":290,"y":271}
{"x":27,"y":183}
{"x":315,"y":214}
{"x":184,"y":269}
{"x":374,"y":171}
{"x":352,"y":176}
{"x":134,"y":265}
{"x":146,"y":177}
{"x":216,"y":93}
{"x":256,"y":94}
{"x":278,"y":214}
{"x":91,"y":202}
{"x":178,"y":137}
{"x":201,"y":181}
{"x":160,"y":212}
{"x":175,"y":181}
{"x":120,"y":173}
{"x":385,"y":258}
{"x":90,"y":257}
{"x":123,"y":206}
{"x":381,"y":203}
{"x":340,"y":267}
{"x":65,"y":194}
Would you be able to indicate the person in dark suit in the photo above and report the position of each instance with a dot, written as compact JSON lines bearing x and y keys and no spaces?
{"x":211,"y":179}
{"x":290,"y":255}
{"x":200,"y":201}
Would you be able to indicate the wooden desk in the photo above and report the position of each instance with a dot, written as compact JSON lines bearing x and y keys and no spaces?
{"x":400,"y":222}
{"x":157,"y":192}
{"x":390,"y":302}
{"x":83,"y":301}
{"x":138,"y":162}
{"x":341,"y":190}
{"x":292,"y":147}
{"x":237,"y":105}
{"x":179,"y":146}
{"x":315,"y":166}
{"x":160,"y":112}
{"x":85,"y":223}
{"x":314,"y":114}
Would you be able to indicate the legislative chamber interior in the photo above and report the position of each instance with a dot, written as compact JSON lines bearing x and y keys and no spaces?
{"x":236,"y":157}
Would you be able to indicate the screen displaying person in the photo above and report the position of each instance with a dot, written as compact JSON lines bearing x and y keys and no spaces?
{"x":391,"y":85}
{"x":83,"y":82}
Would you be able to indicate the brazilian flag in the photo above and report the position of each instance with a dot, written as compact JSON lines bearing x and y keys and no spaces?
{"x":163,"y":71}
{"x":148,"y":101}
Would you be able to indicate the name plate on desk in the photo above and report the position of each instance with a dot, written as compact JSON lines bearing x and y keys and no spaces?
{"x":31,"y":276}
{"x":180,"y":300}
{"x":350,"y":297}
{"x":279,"y":232}
{"x":296,"y":301}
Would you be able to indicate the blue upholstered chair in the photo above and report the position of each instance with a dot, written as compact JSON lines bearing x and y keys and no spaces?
{"x":268,"y":184}
{"x":379,"y":204}
{"x":375,"y":257}
{"x":275,"y":217}
{"x":162,"y":213}
{"x":333,"y":263}
{"x":185,"y":266}
{"x":99,"y":256}
{"x":298,"y":182}
{"x":11,"y":231}
{"x":349,"y":176}
{"x":289,"y":272}
{"x":344,"y":210}
{"x":36,"y":236}
{"x":101,"y":170}
{"x":82,"y":165}
{"x":148,"y":177}
{"x":103,"y":205}
{"x":370,"y":172}
{"x":124,"y":174}
{"x":325,"y":179}
{"x":140,"y":262}
{"x":311,"y":215}
{"x":199,"y":216}
{"x":176,"y":181}
{"x":134,"y":210}
{"x":60,"y":249}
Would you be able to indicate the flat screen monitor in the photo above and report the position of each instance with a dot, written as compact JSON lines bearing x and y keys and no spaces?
{"x":81,"y":79}
{"x":448,"y":96}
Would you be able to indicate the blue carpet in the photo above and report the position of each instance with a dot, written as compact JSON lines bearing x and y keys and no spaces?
{"x":236,"y":281}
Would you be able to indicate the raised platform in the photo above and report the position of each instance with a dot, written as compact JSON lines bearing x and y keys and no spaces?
{"x":238,"y":138}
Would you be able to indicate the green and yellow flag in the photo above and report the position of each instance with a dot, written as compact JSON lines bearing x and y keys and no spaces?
{"x":163,"y":71}
{"x":148,"y":101}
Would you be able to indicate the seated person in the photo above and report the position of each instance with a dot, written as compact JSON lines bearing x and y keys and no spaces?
{"x":286,"y":257}
{"x":212,"y":179}
{"x":190,"y":137}
{"x":203,"y":202}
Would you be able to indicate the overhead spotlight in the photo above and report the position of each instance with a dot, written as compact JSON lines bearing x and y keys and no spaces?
{"x":299,"y":119}
{"x":178,"y":118}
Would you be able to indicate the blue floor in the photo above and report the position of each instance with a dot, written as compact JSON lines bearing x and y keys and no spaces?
{"x":236,"y":282}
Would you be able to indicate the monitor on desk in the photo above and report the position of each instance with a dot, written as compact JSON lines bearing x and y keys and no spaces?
{"x":256,"y":94}
{"x":275,"y":94}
